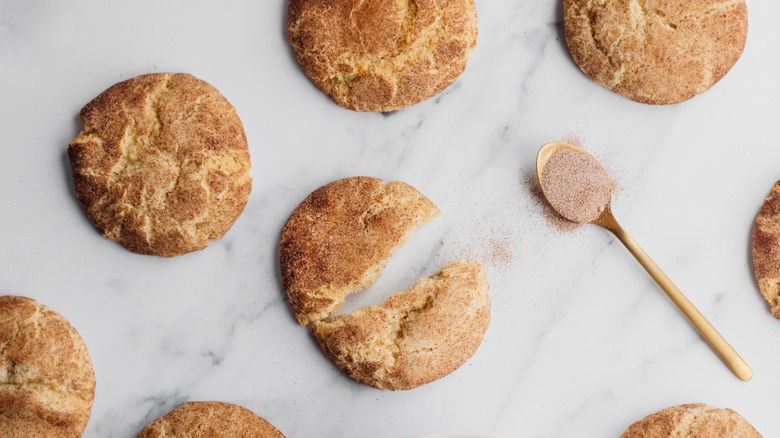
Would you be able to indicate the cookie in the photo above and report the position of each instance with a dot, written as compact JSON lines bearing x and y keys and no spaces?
{"x":162,"y":165}
{"x":692,"y":420}
{"x":655,"y":51}
{"x":210,"y":420}
{"x":47,"y":383}
{"x":338,"y":239}
{"x":380,"y":55}
{"x":766,"y":250}
{"x":416,"y":336}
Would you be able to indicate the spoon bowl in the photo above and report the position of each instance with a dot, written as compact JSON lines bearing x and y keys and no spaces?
{"x":606,"y":220}
{"x":549,"y":149}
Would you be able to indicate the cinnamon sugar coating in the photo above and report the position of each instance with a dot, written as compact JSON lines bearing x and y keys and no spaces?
{"x":338,"y":239}
{"x":382,"y":55}
{"x":210,"y":420}
{"x":47,"y":383}
{"x":766,"y":250}
{"x":655,"y":51}
{"x":692,"y":420}
{"x":416,"y":336}
{"x":162,"y":165}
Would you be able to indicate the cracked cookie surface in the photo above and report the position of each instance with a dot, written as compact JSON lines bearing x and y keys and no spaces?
{"x":382,"y":55}
{"x":338,"y":239}
{"x":766,"y":250}
{"x":210,"y":420}
{"x":655,"y":51}
{"x":692,"y":420}
{"x":416,"y":336}
{"x":47,"y":383}
{"x":162,"y":164}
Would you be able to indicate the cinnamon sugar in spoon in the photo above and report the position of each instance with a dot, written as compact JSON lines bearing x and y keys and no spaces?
{"x":579,"y":189}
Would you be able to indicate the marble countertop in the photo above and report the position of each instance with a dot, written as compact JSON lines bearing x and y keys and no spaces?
{"x":581,"y":342}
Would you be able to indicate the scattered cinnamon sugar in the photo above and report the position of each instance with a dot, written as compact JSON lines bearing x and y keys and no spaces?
{"x":494,"y":252}
{"x":499,"y":253}
{"x":576,"y":185}
{"x":574,"y":140}
{"x":553,"y":218}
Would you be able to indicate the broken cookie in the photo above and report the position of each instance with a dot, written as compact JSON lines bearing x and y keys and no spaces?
{"x":338,"y":239}
{"x":335,"y":243}
{"x":417,"y":336}
{"x":766,"y":250}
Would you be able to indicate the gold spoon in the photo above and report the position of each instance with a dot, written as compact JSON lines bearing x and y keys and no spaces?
{"x":607,"y":221}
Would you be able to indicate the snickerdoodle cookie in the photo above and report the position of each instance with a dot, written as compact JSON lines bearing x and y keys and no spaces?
{"x":693,"y":420}
{"x":382,"y":55}
{"x":416,"y":336}
{"x":47,"y":383}
{"x":655,"y":51}
{"x":210,"y":420}
{"x":766,"y":250}
{"x":162,"y":165}
{"x":338,"y":239}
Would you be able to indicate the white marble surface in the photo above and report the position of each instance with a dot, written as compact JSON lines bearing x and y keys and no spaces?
{"x":581,"y":343}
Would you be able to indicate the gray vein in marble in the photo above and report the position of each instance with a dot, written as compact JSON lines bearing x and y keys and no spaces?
{"x":635,"y":306}
{"x":449,"y":90}
{"x":716,"y":301}
{"x":549,"y":325}
{"x":408,"y":134}
{"x":495,"y":151}
{"x":159,"y":403}
{"x":569,"y":419}
{"x":669,"y":355}
{"x":539,"y":40}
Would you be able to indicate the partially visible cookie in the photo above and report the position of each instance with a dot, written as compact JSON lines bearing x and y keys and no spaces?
{"x":210,"y":420}
{"x":766,"y":250}
{"x":655,"y":51}
{"x":416,"y":336}
{"x":382,"y":55}
{"x":162,"y":165}
{"x":338,"y":239}
{"x":692,"y":420}
{"x":47,"y":383}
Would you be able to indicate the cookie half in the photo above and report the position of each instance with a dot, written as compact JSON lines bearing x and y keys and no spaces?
{"x":692,"y":420}
{"x":162,"y":165}
{"x":338,"y":239}
{"x":416,"y":336}
{"x":382,"y":55}
{"x":766,"y":250}
{"x":47,"y":383}
{"x":210,"y":420}
{"x":655,"y":51}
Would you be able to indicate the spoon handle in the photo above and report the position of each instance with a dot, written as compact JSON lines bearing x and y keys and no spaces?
{"x":722,"y":348}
